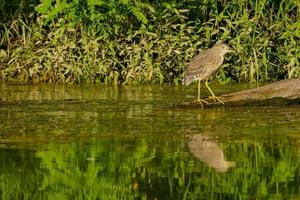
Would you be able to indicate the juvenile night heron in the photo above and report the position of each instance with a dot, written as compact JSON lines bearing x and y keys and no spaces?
{"x":204,"y":65}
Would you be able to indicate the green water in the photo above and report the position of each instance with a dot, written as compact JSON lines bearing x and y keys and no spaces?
{"x":96,"y":142}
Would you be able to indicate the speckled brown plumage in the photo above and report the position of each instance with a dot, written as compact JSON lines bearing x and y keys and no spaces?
{"x":206,"y":63}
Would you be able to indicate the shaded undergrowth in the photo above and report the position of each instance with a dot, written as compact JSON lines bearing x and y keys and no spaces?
{"x":150,"y":42}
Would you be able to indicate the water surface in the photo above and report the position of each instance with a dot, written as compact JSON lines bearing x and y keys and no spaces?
{"x":133,"y":142}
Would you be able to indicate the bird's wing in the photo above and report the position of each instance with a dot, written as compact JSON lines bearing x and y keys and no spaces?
{"x":199,"y":66}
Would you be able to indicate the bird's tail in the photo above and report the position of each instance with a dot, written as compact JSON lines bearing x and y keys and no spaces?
{"x":187,"y":80}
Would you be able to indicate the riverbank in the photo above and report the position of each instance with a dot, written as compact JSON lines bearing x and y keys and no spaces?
{"x":152,"y":43}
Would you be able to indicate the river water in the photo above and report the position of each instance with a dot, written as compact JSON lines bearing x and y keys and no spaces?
{"x":134,"y":142}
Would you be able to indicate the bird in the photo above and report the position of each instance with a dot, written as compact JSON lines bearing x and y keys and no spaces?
{"x":204,"y":65}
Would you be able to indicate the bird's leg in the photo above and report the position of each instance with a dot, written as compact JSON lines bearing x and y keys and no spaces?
{"x":213,"y":95}
{"x":199,"y":85}
{"x":199,"y":97}
{"x":199,"y":100}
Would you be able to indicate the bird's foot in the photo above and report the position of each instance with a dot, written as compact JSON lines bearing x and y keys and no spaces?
{"x":200,"y":101}
{"x":216,"y":99}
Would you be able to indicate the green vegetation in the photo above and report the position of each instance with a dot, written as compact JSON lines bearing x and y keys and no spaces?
{"x":129,"y":42}
{"x":138,"y":169}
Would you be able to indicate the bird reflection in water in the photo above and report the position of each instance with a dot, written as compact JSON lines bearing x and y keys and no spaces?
{"x":207,"y":151}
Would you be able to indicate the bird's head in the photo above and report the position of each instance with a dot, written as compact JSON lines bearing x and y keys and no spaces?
{"x":222,"y":48}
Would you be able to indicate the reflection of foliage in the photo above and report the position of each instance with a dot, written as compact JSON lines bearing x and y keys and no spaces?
{"x":92,"y":173}
{"x":137,"y":151}
{"x":20,"y":174}
{"x":160,"y":170}
{"x":80,"y":176}
{"x":259,"y":164}
{"x":136,"y":168}
{"x":130,"y":168}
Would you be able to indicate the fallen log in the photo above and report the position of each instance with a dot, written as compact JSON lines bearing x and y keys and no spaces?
{"x":284,"y":92}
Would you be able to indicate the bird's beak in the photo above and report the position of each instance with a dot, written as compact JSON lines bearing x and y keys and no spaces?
{"x":230,"y":51}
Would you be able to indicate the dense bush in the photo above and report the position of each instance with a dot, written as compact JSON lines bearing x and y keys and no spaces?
{"x":124,"y":41}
